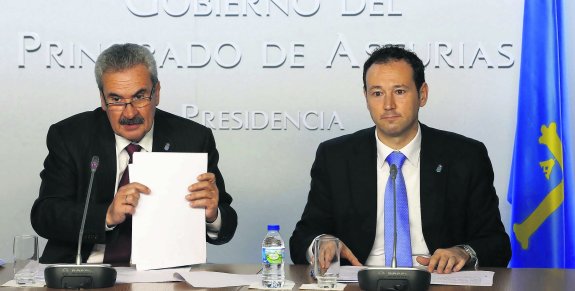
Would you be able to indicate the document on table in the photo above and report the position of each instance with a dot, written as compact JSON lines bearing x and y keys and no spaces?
{"x":348,"y":274}
{"x":200,"y":279}
{"x":166,"y":231}
{"x":463,"y":278}
{"x":38,"y":279}
{"x":204,"y":279}
{"x":131,"y":275}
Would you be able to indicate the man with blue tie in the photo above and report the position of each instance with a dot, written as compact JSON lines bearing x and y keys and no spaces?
{"x":447,"y":209}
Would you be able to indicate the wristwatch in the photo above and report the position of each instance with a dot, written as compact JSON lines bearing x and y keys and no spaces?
{"x":473,"y":261}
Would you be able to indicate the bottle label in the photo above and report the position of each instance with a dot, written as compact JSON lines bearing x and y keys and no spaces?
{"x":272,"y":255}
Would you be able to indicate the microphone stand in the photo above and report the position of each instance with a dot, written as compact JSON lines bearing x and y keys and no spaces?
{"x":394,"y":278}
{"x":393,"y":173}
{"x":84,"y":276}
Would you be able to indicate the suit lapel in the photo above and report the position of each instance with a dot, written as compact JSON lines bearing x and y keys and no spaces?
{"x":162,"y":141}
{"x":433,"y":180}
{"x":105,"y":148}
{"x":363,"y":182}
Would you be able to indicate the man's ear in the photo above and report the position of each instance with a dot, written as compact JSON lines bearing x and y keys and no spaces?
{"x":423,"y":93}
{"x":157,"y":93}
{"x":365,"y":95}
{"x":103,"y":102}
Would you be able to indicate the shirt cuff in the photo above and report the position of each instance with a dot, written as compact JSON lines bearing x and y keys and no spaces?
{"x":213,"y":229}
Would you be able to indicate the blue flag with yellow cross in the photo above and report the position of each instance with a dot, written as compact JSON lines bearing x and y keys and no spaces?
{"x":541,"y":190}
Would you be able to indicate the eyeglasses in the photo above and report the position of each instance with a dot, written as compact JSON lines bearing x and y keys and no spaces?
{"x":117,"y":103}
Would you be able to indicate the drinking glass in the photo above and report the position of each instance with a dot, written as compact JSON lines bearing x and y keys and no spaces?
{"x":326,"y":263}
{"x":25,"y":250}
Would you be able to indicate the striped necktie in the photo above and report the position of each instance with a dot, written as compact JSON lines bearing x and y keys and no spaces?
{"x":119,"y":247}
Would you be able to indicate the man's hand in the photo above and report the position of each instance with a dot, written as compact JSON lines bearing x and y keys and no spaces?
{"x":348,"y":255}
{"x":326,"y":254}
{"x":445,"y":261}
{"x":205,"y":194}
{"x":125,"y":202}
{"x":327,"y":251}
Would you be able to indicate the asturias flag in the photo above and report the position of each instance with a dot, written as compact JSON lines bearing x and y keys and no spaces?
{"x":541,"y":185}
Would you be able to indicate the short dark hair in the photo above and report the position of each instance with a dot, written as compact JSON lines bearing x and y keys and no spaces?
{"x":120,"y":57}
{"x":390,"y":53}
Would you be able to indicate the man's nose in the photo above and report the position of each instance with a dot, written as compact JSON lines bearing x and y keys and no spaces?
{"x":129,"y":111}
{"x":389,"y":102}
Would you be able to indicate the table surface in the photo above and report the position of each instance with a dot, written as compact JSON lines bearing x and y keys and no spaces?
{"x":504,"y":279}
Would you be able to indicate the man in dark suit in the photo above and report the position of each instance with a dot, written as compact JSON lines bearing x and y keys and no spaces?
{"x":128,"y":118}
{"x":453,"y":214}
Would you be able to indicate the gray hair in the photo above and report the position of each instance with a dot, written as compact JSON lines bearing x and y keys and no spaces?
{"x":120,"y":57}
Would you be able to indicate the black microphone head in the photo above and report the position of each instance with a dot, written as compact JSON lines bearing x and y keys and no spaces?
{"x":393,"y":171}
{"x":94,"y":163}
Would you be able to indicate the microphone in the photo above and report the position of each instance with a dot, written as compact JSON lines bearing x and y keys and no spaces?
{"x":85,"y":276}
{"x":394,"y":278}
{"x":393,"y":175}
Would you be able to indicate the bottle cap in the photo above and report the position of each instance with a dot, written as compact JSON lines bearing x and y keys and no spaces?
{"x":273,"y":227}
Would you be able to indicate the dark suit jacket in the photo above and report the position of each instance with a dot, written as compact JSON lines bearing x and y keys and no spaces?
{"x":458,"y":205}
{"x":57,"y":213}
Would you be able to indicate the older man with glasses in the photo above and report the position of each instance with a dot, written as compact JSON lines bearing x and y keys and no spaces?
{"x":127,"y":121}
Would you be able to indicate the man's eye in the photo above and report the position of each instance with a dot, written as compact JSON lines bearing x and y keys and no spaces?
{"x":400,"y":92}
{"x":115,"y":99}
{"x":138,"y":97}
{"x":377,"y":93}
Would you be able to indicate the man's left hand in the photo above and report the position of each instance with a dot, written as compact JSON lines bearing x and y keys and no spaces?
{"x":445,"y":261}
{"x":205,"y":194}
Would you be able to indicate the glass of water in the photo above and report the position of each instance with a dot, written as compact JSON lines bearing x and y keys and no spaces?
{"x":326,"y":264}
{"x":25,"y":250}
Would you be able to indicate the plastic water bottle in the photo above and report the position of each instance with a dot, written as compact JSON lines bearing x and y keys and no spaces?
{"x":273,"y":249}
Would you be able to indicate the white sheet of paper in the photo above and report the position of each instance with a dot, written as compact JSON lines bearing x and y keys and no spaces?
{"x":348,"y":274}
{"x":204,"y":279}
{"x":38,"y":278}
{"x":314,"y":286}
{"x":12,"y":283}
{"x":166,"y":231}
{"x":288,"y":285}
{"x":131,"y":275}
{"x":463,"y":278}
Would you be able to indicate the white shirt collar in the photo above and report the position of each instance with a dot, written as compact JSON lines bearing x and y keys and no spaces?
{"x":411,"y":150}
{"x":146,"y":142}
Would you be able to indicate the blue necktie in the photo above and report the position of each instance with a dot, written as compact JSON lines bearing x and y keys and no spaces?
{"x":403,"y":238}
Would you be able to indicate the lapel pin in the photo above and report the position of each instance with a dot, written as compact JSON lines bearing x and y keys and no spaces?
{"x":439,"y":168}
{"x":167,"y":146}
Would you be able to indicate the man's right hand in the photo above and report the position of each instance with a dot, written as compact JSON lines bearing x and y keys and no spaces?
{"x":326,"y":254}
{"x":124,"y":203}
{"x":348,"y":255}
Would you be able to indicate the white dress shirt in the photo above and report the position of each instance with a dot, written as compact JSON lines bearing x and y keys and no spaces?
{"x":411,"y":174}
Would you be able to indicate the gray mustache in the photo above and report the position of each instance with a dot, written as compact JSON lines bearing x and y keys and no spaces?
{"x":135,"y":120}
